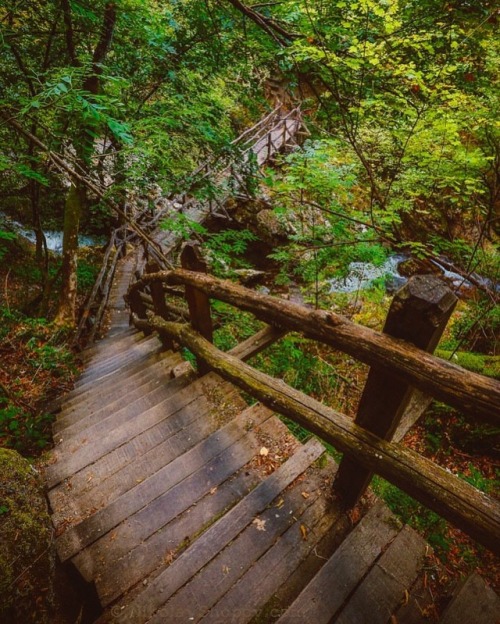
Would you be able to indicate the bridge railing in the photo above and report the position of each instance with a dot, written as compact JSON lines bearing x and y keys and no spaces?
{"x":403,"y":376}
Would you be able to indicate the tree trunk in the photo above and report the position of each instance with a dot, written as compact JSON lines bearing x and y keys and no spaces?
{"x":66,"y":313}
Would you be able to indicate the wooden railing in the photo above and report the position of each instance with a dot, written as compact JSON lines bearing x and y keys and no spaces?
{"x":403,"y":375}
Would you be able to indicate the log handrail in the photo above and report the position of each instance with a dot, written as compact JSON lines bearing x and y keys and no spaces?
{"x":471,"y":393}
{"x":454,"y":499}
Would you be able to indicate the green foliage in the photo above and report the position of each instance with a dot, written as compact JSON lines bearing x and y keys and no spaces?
{"x":227,"y":248}
{"x":183,"y":226}
{"x":234,"y":325}
{"x":477,"y":479}
{"x":87,"y":274}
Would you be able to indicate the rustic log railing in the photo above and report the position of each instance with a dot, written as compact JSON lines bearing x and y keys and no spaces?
{"x":390,"y":402}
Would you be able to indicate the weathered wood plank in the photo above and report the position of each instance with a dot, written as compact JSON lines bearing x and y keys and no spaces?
{"x":90,"y":413}
{"x":109,"y":391}
{"x":475,"y":602}
{"x":70,"y":507}
{"x":176,"y":501}
{"x":471,"y":510}
{"x":172,"y":539}
{"x":257,"y":343}
{"x":151,"y":491}
{"x":198,"y":596}
{"x":341,"y":574}
{"x":120,"y":435}
{"x":218,"y":536}
{"x":256,"y":588}
{"x":176,"y":427}
{"x":118,"y":363}
{"x":383,"y":589}
{"x":90,"y":432}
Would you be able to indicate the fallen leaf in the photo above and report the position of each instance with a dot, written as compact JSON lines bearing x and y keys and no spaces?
{"x":280,"y":503}
{"x":260,"y":525}
{"x":264,"y":451}
{"x":225,"y":569}
{"x":303,"y":530}
{"x":305,"y":495}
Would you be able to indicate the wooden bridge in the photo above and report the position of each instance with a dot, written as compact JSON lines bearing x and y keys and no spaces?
{"x":180,"y":502}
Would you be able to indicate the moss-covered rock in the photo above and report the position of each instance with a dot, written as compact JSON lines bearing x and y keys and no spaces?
{"x":27,"y":557}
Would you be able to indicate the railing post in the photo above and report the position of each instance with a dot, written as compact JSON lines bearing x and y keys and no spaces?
{"x":418,"y":314}
{"x":159,"y":305}
{"x":138,"y":307}
{"x":198,"y":302}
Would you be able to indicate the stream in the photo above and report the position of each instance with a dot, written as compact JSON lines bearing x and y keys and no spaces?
{"x":54,"y":238}
{"x":362,"y":275}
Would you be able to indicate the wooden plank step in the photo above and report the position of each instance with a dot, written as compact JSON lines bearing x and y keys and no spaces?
{"x":107,"y":391}
{"x":475,"y":602}
{"x":171,"y":540}
{"x":149,"y":495}
{"x":169,"y":431}
{"x":105,"y":422}
{"x":70,"y":507}
{"x":93,"y":451}
{"x":177,"y":534}
{"x":109,"y":343}
{"x":156,"y":377}
{"x":383,"y":589}
{"x":217,"y":537}
{"x":340,"y":576}
{"x":148,"y":526}
{"x":118,"y":375}
{"x":198,"y":596}
{"x":419,"y":604}
{"x":117,"y":362}
{"x":249,"y":596}
{"x":112,"y":346}
{"x":93,"y":411}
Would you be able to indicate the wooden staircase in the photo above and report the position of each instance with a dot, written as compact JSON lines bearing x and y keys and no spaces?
{"x":183,"y":504}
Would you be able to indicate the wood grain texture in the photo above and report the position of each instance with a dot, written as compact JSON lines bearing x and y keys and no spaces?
{"x":471,"y":510}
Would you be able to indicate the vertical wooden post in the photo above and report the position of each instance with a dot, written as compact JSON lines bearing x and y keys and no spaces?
{"x":138,"y":308}
{"x":198,"y":302}
{"x":159,"y":304}
{"x":418,"y":314}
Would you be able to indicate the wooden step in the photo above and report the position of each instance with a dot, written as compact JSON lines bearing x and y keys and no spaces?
{"x":156,"y":377}
{"x":474,"y":602}
{"x":104,"y":422}
{"x":92,"y":450}
{"x":157,"y":592}
{"x":147,"y":453}
{"x":117,"y":362}
{"x":108,"y":343}
{"x":147,"y":531}
{"x":108,"y":391}
{"x":366,"y":578}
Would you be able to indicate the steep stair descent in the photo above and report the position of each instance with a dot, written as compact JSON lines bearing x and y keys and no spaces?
{"x":181,"y":503}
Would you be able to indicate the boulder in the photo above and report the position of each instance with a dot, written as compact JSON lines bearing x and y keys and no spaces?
{"x":27,"y":556}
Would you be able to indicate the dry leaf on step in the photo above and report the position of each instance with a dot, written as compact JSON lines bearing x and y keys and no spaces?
{"x":260,"y":525}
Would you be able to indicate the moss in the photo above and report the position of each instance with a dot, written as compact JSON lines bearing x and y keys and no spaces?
{"x":26,"y":550}
{"x":488,"y":365}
